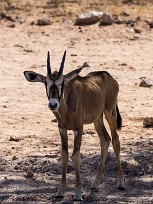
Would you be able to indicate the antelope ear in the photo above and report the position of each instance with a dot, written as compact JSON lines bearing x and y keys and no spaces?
{"x":74,"y":73}
{"x":34,"y":77}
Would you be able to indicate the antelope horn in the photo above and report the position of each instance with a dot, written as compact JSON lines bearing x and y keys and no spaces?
{"x":62,"y":64}
{"x":48,"y":64}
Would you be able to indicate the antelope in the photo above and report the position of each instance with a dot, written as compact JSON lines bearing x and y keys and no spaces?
{"x":75,"y":101}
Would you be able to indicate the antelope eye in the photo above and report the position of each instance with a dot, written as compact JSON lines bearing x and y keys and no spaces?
{"x":59,"y":84}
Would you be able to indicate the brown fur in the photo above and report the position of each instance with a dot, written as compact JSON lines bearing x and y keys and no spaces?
{"x":85,"y":100}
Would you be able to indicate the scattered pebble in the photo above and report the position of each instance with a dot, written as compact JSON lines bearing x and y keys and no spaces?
{"x":135,"y":37}
{"x":14,"y":157}
{"x":28,"y":50}
{"x":12,"y":25}
{"x":4,"y":106}
{"x":137,"y":30}
{"x":106,"y":19}
{"x":151,"y":142}
{"x":14,"y":139}
{"x":148,"y":121}
{"x":5,"y":16}
{"x":43,"y":22}
{"x":150,"y":23}
{"x":119,"y":20}
{"x":29,"y":174}
{"x":145,"y":82}
{"x":88,"y":18}
{"x":125,"y":13}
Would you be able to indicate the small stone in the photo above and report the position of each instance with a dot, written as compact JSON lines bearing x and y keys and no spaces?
{"x":137,"y":30}
{"x":14,"y":139}
{"x":148,"y":121}
{"x":151,"y":142}
{"x":29,"y":174}
{"x":43,"y":22}
{"x":127,"y":1}
{"x":119,"y":20}
{"x":20,"y":20}
{"x":14,"y":157}
{"x":150,"y":23}
{"x":106,"y":19}
{"x":135,"y":37}
{"x":130,"y":22}
{"x":88,"y":18}
{"x":27,"y":50}
{"x":17,"y":167}
{"x":145,"y":82}
{"x":125,"y":13}
{"x":32,"y":23}
{"x":12,"y":25}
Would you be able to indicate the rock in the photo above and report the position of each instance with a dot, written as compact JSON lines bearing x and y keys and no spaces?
{"x":148,"y":121}
{"x":14,"y":139}
{"x":119,"y":20}
{"x":106,"y":19}
{"x":151,"y":24}
{"x":127,"y":1}
{"x":130,"y":22}
{"x":145,"y":82}
{"x":137,"y":30}
{"x":135,"y":37}
{"x":11,"y":25}
{"x":5,"y":16}
{"x":4,"y":106}
{"x":27,"y":50}
{"x":88,"y":18}
{"x":125,"y":13}
{"x":20,"y":20}
{"x":29,"y":174}
{"x":43,"y":22}
{"x":17,"y":167}
{"x":151,"y":142}
{"x":14,"y":158}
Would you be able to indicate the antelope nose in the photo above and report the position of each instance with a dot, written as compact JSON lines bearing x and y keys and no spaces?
{"x":52,"y":106}
{"x":53,"y":103}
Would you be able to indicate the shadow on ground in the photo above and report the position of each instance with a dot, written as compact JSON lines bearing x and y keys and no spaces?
{"x":16,"y":185}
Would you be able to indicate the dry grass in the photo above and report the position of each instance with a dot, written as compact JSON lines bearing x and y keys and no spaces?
{"x":71,"y":8}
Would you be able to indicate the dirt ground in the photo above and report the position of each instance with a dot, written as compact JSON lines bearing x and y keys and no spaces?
{"x":24,"y":114}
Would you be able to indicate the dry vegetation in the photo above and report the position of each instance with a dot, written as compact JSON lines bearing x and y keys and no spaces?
{"x":29,"y":9}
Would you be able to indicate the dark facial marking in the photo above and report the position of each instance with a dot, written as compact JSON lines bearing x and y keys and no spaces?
{"x":54,"y":92}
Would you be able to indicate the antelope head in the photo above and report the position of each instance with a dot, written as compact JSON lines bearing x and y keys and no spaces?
{"x":54,"y":82}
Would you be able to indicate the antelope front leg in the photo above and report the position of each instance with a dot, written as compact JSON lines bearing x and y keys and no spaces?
{"x":64,"y":157}
{"x":76,"y":164}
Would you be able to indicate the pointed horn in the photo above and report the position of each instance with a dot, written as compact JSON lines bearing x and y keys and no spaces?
{"x":62,"y":64}
{"x":48,"y":64}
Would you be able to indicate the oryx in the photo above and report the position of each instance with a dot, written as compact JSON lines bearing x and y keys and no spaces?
{"x":75,"y":101}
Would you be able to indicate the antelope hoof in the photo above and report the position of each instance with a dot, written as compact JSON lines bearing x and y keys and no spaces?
{"x":77,"y":198}
{"x":122,"y":188}
{"x":94,"y":186}
{"x":59,"y":194}
{"x":120,"y":184}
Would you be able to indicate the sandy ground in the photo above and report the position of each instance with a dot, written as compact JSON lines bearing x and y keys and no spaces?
{"x":24,"y":113}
